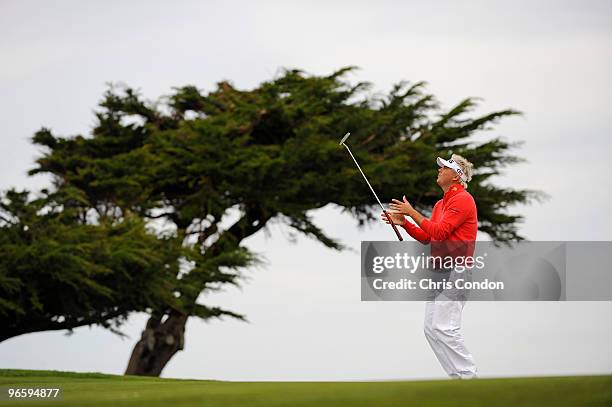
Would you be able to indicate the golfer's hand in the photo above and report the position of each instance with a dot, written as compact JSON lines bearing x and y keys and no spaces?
{"x":396,"y":218}
{"x":401,"y":207}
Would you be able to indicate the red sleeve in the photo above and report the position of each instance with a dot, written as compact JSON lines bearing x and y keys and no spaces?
{"x":456,"y":213}
{"x":416,"y":232}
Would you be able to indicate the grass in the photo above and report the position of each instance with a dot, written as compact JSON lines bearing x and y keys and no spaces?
{"x":95,"y":389}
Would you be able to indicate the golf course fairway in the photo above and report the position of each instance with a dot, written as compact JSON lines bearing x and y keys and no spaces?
{"x":94,"y":389}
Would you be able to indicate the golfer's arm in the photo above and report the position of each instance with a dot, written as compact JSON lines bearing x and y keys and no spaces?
{"x":418,"y":218}
{"x":416,"y":232}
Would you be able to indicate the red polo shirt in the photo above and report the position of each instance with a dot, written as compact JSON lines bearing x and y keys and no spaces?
{"x":454,"y":217}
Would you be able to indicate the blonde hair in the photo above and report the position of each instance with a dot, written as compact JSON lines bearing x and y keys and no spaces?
{"x":466,"y":166}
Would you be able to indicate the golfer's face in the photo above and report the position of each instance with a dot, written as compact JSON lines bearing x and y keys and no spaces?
{"x":445,"y":175}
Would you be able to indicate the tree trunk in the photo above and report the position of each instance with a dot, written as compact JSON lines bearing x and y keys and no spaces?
{"x":161,"y":340}
{"x":158,"y":343}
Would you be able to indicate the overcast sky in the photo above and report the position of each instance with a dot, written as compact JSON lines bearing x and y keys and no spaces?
{"x":550,"y":59}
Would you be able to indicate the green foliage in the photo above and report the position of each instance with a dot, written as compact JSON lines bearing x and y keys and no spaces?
{"x":59,"y":273}
{"x":267,"y":153}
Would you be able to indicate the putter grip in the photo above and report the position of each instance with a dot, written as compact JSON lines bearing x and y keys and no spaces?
{"x":394,"y":227}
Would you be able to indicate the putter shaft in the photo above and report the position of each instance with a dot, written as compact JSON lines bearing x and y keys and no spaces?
{"x":364,"y":177}
{"x":397,"y":233}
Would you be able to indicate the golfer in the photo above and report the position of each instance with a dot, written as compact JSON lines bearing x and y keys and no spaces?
{"x":454,"y":219}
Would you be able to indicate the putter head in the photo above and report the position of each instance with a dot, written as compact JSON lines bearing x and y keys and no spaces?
{"x":344,"y":138}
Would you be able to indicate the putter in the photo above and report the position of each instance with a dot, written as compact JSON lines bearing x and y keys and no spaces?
{"x":342,"y":143}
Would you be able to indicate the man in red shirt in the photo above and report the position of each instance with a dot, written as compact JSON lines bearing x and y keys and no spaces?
{"x":453,"y":219}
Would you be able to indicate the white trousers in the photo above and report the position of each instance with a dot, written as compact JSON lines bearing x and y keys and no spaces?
{"x":443,"y":332}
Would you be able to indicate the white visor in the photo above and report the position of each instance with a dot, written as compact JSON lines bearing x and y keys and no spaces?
{"x":452,"y":165}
